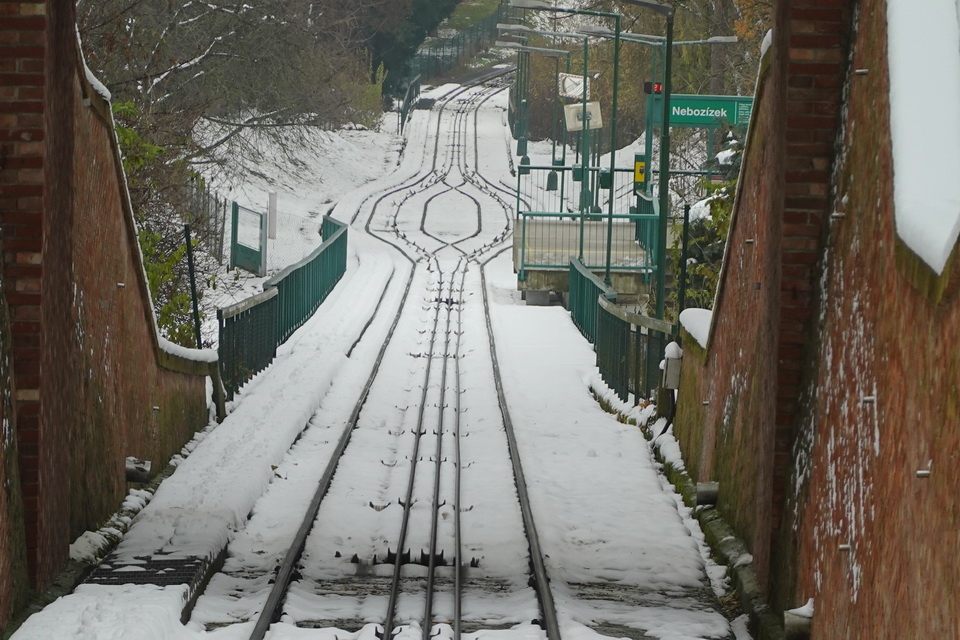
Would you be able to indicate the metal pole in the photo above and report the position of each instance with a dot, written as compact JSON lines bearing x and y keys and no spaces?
{"x":553,"y":113}
{"x":193,"y":287}
{"x":664,"y":182}
{"x":585,"y":148}
{"x":682,"y":293}
{"x":613,"y":147}
{"x":648,"y":136}
{"x":563,"y":159}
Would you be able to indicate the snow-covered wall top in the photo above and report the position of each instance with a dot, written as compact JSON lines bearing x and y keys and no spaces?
{"x":924,"y":59}
{"x":697,"y":324}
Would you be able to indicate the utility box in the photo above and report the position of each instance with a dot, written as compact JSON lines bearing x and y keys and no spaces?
{"x":606,"y":179}
{"x":671,"y":373}
{"x":639,"y":173}
{"x":673,"y":358}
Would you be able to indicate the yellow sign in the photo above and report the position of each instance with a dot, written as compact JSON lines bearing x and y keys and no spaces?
{"x":640,"y":171}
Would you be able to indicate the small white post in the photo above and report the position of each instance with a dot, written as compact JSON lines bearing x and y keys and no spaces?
{"x":272,"y":215}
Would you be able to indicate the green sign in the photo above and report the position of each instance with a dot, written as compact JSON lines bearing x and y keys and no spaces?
{"x":702,"y":111}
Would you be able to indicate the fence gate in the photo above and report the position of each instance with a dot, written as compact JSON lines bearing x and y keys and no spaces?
{"x":248,"y":240}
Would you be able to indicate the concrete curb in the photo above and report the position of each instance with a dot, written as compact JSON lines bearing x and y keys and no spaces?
{"x":728,"y":548}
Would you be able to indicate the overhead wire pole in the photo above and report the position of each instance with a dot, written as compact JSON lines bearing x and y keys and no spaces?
{"x":664,"y":183}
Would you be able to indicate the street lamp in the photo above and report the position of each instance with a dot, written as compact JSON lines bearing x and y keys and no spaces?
{"x":540,"y":5}
{"x":666,"y":11}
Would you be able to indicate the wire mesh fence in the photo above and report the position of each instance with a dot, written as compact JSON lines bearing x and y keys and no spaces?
{"x":207,"y":214}
{"x":569,"y":189}
{"x":551,"y":240}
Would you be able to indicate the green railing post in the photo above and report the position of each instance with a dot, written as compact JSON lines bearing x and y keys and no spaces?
{"x":613,"y":142}
{"x":682,"y":293}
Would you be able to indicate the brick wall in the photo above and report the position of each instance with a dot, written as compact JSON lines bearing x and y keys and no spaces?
{"x":819,"y":470}
{"x":886,"y":403}
{"x":22,"y":154}
{"x":13,"y":553}
{"x":744,"y":395}
{"x":92,"y":386}
{"x":726,"y":405}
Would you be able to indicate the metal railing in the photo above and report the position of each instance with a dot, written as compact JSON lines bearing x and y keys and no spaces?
{"x":585,"y":288}
{"x":304,"y":285}
{"x":629,"y":346}
{"x":251,"y":330}
{"x":629,"y":349}
{"x":440,"y":55}
{"x":571,"y":189}
{"x":410,"y":97}
{"x":549,"y":240}
{"x":247,"y":341}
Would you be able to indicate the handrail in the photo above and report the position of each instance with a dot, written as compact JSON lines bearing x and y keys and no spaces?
{"x":640,"y":320}
{"x":239,"y":307}
{"x":273,"y":281}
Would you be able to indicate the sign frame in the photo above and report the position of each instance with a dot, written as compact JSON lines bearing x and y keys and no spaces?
{"x":573,"y":116}
{"x":570,"y":85}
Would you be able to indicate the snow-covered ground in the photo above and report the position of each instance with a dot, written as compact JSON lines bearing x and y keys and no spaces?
{"x":620,"y":547}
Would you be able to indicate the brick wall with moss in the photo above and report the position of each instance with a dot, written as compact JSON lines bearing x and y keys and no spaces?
{"x":876,"y":519}
{"x":727,"y":398}
{"x":92,"y":386}
{"x":112,"y":395}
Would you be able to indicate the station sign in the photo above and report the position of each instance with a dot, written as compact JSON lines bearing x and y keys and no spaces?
{"x":702,"y":111}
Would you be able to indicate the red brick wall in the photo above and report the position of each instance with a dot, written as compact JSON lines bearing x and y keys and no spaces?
{"x":881,"y":337}
{"x":824,"y":462}
{"x":22,"y":153}
{"x":752,"y":375}
{"x":85,"y":355}
{"x":726,"y":406}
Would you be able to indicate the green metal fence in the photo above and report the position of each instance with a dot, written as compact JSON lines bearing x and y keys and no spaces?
{"x":629,"y":349}
{"x":247,"y":342}
{"x":251,"y":331}
{"x":629,"y":346}
{"x":410,"y":97}
{"x":440,"y":55}
{"x":304,"y":285}
{"x":585,"y":288}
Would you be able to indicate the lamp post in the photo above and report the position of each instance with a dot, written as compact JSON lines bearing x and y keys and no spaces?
{"x":543,"y":6}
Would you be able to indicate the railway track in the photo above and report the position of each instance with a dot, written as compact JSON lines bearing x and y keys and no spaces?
{"x":420,"y":524}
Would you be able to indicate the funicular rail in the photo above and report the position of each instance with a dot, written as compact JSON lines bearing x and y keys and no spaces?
{"x":446,"y":301}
